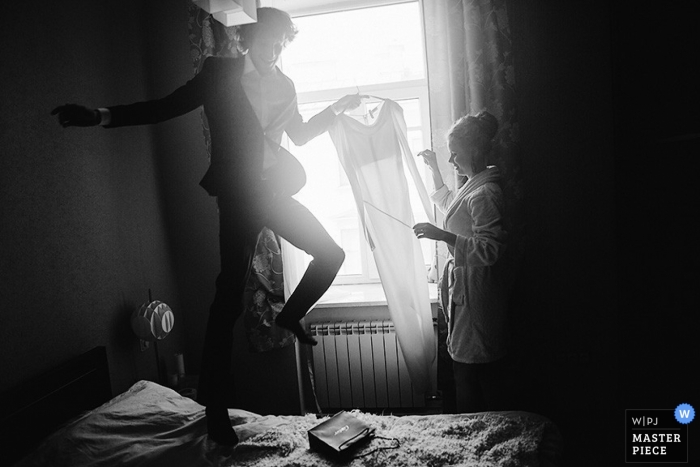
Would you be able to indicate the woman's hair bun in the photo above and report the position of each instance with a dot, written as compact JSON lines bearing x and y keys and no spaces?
{"x":488,"y":123}
{"x":478,"y":129}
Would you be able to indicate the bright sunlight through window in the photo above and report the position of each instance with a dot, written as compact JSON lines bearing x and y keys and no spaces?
{"x":376,"y":51}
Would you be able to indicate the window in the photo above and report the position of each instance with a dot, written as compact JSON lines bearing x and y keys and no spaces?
{"x":377,"y":51}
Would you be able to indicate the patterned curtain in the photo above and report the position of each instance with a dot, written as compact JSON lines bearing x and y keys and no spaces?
{"x":264,"y":294}
{"x":470,"y":68}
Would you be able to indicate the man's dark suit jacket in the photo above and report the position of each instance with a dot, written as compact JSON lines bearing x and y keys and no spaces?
{"x":236,"y":135}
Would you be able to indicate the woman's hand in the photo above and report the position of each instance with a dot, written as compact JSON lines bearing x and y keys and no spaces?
{"x":427,"y":230}
{"x":429,"y":157}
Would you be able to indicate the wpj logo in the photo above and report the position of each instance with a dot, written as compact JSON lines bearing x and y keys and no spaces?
{"x":685,"y":413}
{"x":658,"y":435}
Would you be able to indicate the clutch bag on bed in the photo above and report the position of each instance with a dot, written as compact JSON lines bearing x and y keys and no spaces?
{"x":340,"y":434}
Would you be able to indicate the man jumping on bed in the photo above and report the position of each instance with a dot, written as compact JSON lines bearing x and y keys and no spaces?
{"x":249,"y":103}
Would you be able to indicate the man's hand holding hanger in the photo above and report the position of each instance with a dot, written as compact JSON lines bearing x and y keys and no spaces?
{"x":349,"y":102}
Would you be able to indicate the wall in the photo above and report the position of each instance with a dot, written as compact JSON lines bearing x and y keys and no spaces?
{"x":82,"y":230}
{"x":603,"y":309}
{"x":564,"y":309}
{"x":182,"y":161}
{"x":657,"y":147}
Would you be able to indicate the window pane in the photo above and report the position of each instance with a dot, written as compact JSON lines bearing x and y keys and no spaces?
{"x":357,"y":48}
{"x":327,"y":193}
{"x":411,"y":112}
{"x":380,"y":47}
{"x":350,"y":241}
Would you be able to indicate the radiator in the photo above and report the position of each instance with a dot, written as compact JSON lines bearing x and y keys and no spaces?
{"x":359,"y":364}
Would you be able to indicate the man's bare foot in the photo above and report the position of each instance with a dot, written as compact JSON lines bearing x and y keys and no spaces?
{"x":294,"y":326}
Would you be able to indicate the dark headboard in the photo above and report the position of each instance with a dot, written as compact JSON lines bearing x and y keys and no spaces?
{"x":36,"y":408}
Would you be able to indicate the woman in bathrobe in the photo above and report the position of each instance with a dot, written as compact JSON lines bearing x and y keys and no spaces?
{"x":472,"y":287}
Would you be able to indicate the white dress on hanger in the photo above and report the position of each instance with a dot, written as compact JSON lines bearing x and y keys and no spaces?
{"x":374,"y":158}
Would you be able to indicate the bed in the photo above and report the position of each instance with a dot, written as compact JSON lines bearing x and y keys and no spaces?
{"x":150,"y":424}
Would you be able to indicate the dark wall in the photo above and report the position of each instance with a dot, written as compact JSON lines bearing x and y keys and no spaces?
{"x":564,"y":84}
{"x":182,"y":161}
{"x":82,"y":229}
{"x":564,"y":307}
{"x":657,"y":147}
{"x":604,"y":308}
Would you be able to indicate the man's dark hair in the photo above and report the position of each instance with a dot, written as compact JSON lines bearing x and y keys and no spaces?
{"x":269,"y":19}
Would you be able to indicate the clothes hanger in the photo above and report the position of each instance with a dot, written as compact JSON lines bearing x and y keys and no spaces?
{"x":371,"y":113}
{"x":369,"y":96}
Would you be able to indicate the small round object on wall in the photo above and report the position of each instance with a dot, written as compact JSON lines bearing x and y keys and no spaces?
{"x":153,"y":321}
